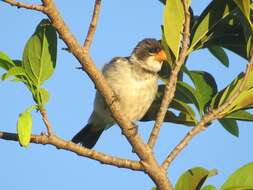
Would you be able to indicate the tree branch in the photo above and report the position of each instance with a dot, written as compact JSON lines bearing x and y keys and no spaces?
{"x":93,"y":25}
{"x":82,"y":151}
{"x":170,"y":87}
{"x":214,"y":114}
{"x":46,"y":121}
{"x":24,"y":5}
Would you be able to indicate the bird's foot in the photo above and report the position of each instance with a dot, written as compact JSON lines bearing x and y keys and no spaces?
{"x":115,"y":98}
{"x":132,"y":130}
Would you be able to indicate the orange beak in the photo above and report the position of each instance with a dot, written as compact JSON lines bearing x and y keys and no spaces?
{"x":161,"y":56}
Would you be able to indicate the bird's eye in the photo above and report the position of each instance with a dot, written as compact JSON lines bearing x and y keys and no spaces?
{"x":153,"y":50}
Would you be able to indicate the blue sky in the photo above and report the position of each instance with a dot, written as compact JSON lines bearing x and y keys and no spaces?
{"x":121,"y":25}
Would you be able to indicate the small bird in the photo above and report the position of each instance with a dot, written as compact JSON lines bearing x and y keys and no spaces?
{"x":134,"y":82}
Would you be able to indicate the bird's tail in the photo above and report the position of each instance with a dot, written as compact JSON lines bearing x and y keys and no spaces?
{"x":87,"y":137}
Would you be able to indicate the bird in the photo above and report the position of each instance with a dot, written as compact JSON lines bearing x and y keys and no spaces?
{"x":134,"y":81}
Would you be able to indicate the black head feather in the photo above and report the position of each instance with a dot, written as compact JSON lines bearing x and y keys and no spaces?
{"x":146,"y":48}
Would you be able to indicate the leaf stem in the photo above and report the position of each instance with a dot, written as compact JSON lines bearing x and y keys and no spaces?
{"x":46,"y":121}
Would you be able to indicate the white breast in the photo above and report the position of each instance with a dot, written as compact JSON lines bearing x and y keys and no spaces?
{"x":136,"y":97}
{"x":135,"y":93}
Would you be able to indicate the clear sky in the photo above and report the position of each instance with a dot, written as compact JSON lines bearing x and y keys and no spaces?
{"x":121,"y":25}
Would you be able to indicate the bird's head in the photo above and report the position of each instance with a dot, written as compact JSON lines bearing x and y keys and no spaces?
{"x":149,"y":54}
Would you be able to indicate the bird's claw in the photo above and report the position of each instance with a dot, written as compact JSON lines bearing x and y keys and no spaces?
{"x":133,"y":130}
{"x":115,"y":98}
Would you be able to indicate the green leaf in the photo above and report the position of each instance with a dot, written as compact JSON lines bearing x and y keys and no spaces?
{"x":19,"y":75}
{"x":5,"y":61}
{"x":186,"y":112}
{"x":233,"y":33}
{"x":220,"y":54}
{"x":41,"y":97}
{"x":17,"y":63}
{"x":215,"y":12}
{"x":194,"y":178}
{"x":165,"y":71}
{"x":249,"y":45}
{"x":243,"y":100}
{"x":244,"y":6}
{"x":227,"y":92}
{"x":182,"y":118}
{"x":39,"y":56}
{"x":186,"y":93}
{"x":44,"y":96}
{"x":243,"y":177}
{"x":186,"y":115}
{"x":177,"y":104}
{"x":173,"y":25}
{"x":230,"y":125}
{"x":181,"y":106}
{"x":240,"y":115}
{"x":14,"y":71}
{"x":24,"y":128}
{"x":240,"y":188}
{"x":205,"y":86}
{"x":169,"y":54}
{"x":209,"y":187}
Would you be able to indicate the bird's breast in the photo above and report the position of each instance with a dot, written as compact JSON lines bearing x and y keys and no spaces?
{"x":136,"y":96}
{"x":134,"y":88}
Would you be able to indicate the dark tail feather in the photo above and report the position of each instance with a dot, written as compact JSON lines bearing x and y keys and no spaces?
{"x":87,"y":137}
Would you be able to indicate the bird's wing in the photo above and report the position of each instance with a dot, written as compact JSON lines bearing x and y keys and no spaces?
{"x":115,"y":64}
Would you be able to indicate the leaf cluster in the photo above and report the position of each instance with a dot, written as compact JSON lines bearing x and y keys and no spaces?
{"x":222,"y":25}
{"x":195,"y":178}
{"x":37,"y":65}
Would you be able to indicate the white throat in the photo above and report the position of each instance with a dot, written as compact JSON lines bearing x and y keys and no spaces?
{"x":150,"y":64}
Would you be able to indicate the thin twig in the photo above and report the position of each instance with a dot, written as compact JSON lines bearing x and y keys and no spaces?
{"x":72,"y":147}
{"x":24,"y":5}
{"x":93,"y":25}
{"x":214,"y":114}
{"x":170,"y":87}
{"x":46,"y":122}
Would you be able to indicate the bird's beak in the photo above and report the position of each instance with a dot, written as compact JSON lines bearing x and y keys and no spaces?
{"x":161,"y":56}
